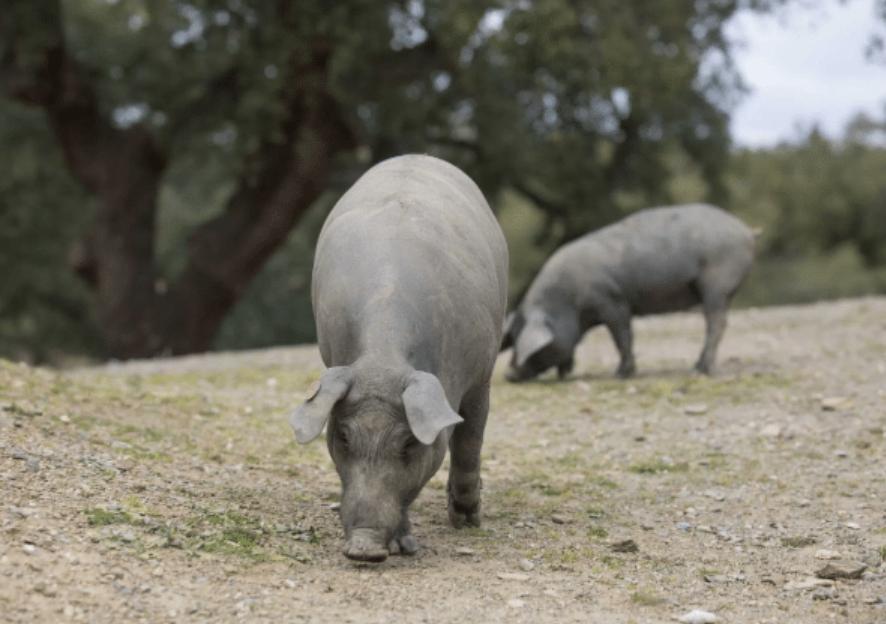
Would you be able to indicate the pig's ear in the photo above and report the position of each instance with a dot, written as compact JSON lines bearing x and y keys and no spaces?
{"x":308,"y":419}
{"x":507,"y":334}
{"x":427,"y":409}
{"x":534,"y":337}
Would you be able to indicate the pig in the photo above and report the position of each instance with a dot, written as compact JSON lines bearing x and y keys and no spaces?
{"x":653,"y":261}
{"x":409,"y":292}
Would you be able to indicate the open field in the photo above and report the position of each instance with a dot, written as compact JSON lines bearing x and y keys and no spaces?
{"x":172,"y":490}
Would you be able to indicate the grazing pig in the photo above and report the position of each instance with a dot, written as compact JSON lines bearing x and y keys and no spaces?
{"x":409,"y":293}
{"x":656,"y":260}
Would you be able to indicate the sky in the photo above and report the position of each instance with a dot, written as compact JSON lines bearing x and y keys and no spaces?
{"x":803,"y":66}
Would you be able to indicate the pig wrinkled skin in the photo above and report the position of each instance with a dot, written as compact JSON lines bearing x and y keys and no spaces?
{"x":409,"y":292}
{"x":654,"y":261}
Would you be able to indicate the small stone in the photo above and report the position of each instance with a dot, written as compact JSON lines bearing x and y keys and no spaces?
{"x":526,"y":565}
{"x":683,"y":526}
{"x":512,"y":576}
{"x":126,"y":535}
{"x":558,"y":519}
{"x":827,"y":554}
{"x":68,"y":611}
{"x":335,"y":506}
{"x":29,"y":549}
{"x":804,"y":502}
{"x":717,"y":496}
{"x":289,"y":583}
{"x":824,"y":593}
{"x":44,"y":589}
{"x":695,"y":409}
{"x":516,"y":603}
{"x":841,"y":569}
{"x":832,"y":404}
{"x":716,"y":578}
{"x":852,"y":525}
{"x":841,"y":453}
{"x":464,"y":551}
{"x":697,"y":616}
{"x":64,"y":418}
{"x":807,"y":584}
{"x":624,"y":546}
{"x":771,"y":431}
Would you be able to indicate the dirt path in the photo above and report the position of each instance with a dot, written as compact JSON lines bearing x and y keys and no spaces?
{"x":172,"y":490}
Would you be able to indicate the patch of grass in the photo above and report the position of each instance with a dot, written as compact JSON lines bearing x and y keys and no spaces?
{"x":597,"y":532}
{"x":657,"y":466}
{"x":102,"y":517}
{"x":882,"y":552}
{"x":798,"y":541}
{"x":647,"y":599}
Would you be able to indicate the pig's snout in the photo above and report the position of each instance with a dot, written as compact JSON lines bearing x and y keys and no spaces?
{"x":366,"y":545}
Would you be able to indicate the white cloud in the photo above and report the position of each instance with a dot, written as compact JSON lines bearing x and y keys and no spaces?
{"x":805,"y":66}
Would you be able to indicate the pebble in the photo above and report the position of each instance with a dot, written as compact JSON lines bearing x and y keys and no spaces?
{"x":841,"y":569}
{"x":807,"y":584}
{"x":695,"y":409}
{"x":717,"y":496}
{"x":558,"y":519}
{"x":771,"y":431}
{"x":289,"y":583}
{"x":684,"y":526}
{"x":827,"y":554}
{"x":464,"y":551}
{"x":526,"y":565}
{"x":716,"y":578}
{"x":852,"y":525}
{"x":824,"y":593}
{"x":516,"y":603}
{"x":697,"y":616}
{"x":29,"y":549}
{"x":841,"y":453}
{"x":625,"y":546}
{"x":831,"y":404}
{"x":512,"y":576}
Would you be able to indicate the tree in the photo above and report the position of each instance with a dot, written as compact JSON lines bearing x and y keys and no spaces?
{"x":575,"y":104}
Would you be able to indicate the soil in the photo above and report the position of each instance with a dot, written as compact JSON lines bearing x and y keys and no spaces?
{"x":172,"y":490}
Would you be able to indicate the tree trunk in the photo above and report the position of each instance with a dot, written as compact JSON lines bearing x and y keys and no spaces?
{"x":123,"y":168}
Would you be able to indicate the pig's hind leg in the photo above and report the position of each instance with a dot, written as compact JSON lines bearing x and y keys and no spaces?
{"x":715,"y":305}
{"x":464,"y":469}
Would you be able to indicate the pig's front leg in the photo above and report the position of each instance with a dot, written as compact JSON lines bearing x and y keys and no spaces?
{"x":464,"y":469}
{"x":403,"y":542}
{"x":617,"y":319}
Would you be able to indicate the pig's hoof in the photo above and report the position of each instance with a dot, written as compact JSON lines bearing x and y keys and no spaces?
{"x":461,"y":517}
{"x":403,"y":545}
{"x":626,"y":371}
{"x":704,"y":369}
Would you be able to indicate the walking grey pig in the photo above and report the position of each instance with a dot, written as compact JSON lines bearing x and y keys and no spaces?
{"x":656,"y":260}
{"x":409,"y":293}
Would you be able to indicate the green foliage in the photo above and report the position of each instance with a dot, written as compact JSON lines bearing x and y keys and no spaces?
{"x":43,"y":308}
{"x":821,"y":206}
{"x":569,"y":114}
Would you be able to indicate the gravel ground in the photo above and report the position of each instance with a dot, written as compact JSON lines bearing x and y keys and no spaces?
{"x":171,"y":490}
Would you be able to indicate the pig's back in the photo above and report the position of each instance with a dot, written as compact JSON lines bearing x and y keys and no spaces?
{"x":414,"y":244}
{"x":653,"y":257}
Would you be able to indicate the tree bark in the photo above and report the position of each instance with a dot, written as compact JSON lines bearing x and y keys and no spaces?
{"x":124,"y":168}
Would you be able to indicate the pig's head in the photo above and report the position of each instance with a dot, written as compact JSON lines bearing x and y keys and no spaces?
{"x":384,"y":436}
{"x":540,"y":341}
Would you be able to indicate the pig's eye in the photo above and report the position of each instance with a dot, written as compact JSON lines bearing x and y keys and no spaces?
{"x":412,"y":445}
{"x":341,"y":439}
